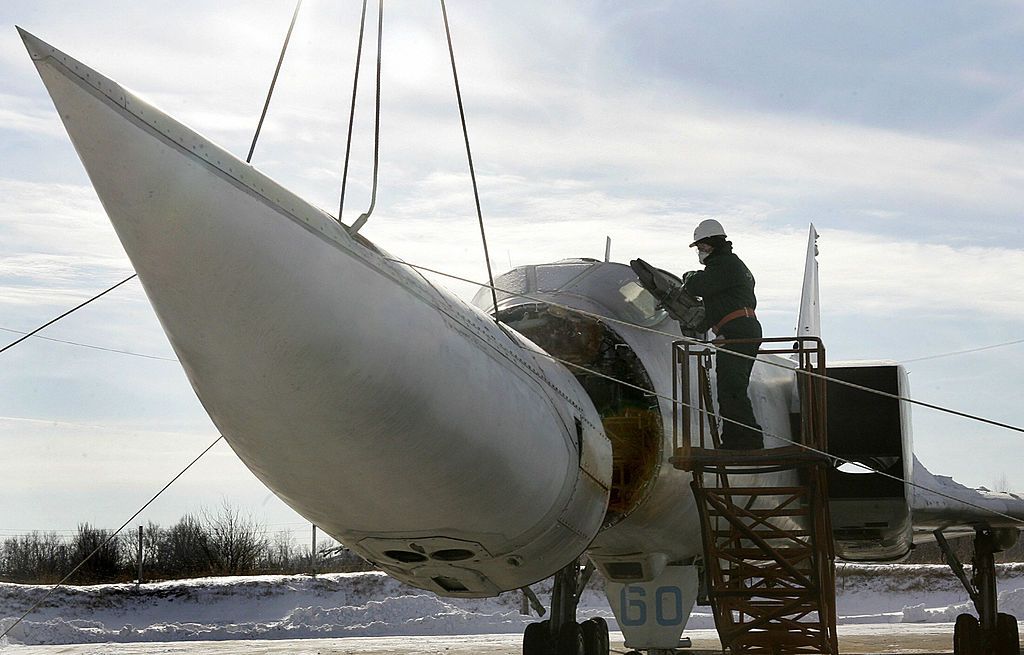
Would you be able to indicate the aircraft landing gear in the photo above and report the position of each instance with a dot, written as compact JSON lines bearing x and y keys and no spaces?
{"x":993,"y":632}
{"x":561,"y":634}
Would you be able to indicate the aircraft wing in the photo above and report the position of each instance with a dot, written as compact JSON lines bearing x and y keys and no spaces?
{"x":940,"y":502}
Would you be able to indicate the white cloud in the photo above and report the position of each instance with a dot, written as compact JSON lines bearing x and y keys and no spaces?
{"x":19,"y":114}
{"x":870,"y":274}
{"x":55,"y":219}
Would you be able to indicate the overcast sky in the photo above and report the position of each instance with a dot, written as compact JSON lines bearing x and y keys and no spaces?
{"x":897,"y":128}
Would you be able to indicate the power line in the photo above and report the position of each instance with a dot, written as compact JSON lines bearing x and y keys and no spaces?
{"x":712,"y":346}
{"x":86,"y":345}
{"x":964,"y":352}
{"x":708,"y":413}
{"x":615,"y":320}
{"x":70,"y":311}
{"x":830,"y":456}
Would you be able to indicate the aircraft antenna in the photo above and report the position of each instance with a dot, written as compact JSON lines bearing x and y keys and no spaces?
{"x":469,"y":156}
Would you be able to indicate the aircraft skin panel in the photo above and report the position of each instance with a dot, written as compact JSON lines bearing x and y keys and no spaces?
{"x":932,"y":511}
{"x":375,"y":405}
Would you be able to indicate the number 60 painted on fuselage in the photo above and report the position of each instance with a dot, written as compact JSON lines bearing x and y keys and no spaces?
{"x":667,"y":600}
{"x":653,"y":614}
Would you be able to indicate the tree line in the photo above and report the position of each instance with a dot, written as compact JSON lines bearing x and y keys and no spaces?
{"x":210,"y":543}
{"x":225,"y":542}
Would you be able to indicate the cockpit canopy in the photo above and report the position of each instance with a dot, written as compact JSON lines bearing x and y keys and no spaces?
{"x":533,"y":301}
{"x":612,"y":286}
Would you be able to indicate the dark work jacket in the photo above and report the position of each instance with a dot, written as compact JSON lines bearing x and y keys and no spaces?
{"x":725,"y":284}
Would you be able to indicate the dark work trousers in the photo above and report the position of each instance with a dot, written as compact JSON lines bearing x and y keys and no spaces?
{"x":733,"y":379}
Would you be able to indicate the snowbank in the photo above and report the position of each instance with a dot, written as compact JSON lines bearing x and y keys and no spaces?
{"x":372,"y":604}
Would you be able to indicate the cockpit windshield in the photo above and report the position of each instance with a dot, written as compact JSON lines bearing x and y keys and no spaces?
{"x":613,"y":286}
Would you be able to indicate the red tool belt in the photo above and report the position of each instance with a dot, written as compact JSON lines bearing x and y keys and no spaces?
{"x":731,"y":316}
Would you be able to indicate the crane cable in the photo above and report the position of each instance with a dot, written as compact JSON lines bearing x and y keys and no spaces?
{"x":376,"y":122}
{"x":469,"y":156}
{"x":352,"y":111}
{"x":273,"y":81}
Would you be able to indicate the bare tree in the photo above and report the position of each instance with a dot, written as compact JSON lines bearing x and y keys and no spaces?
{"x":183,"y":549}
{"x":235,"y":542}
{"x":39,"y":557}
{"x":103,"y":555}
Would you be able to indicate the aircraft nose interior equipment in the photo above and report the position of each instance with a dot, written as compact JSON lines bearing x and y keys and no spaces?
{"x":597,"y":355}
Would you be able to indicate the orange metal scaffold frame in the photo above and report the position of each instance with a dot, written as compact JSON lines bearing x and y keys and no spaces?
{"x":768,"y":551}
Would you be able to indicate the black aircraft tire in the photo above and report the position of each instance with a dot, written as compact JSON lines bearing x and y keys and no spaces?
{"x":570,"y":640}
{"x":536,"y":640}
{"x":1007,"y":635}
{"x":594,"y":642}
{"x":966,"y":635}
{"x":606,"y":643}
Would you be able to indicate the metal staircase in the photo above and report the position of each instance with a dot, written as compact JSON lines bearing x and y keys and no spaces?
{"x":768,"y":552}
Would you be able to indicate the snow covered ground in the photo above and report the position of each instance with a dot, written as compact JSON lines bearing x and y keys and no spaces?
{"x":373,"y":605}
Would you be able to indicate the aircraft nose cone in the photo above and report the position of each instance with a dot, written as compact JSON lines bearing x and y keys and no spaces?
{"x":378,"y":406}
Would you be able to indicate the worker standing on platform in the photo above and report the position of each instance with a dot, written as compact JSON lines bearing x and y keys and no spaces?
{"x":727,"y":288}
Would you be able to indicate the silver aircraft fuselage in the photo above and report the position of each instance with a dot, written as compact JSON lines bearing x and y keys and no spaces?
{"x":449,"y":449}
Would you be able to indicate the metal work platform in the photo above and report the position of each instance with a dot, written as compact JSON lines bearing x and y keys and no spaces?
{"x":768,"y":552}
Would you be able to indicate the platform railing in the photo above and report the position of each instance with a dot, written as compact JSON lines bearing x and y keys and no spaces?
{"x":693,"y":415}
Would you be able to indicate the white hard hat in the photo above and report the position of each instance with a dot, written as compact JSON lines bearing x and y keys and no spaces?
{"x":707,"y":228}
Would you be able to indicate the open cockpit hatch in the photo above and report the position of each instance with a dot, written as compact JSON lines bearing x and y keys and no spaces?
{"x":537,"y":301}
{"x":631,"y":418}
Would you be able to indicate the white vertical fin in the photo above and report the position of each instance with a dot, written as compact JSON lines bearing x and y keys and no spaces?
{"x":810,"y":316}
{"x":607,"y":249}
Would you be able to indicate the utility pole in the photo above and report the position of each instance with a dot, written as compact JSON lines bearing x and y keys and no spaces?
{"x":313,"y":554}
{"x":138,"y":580}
